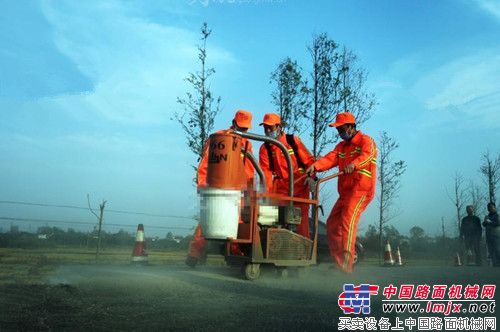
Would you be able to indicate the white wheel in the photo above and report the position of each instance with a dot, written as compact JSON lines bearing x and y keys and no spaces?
{"x":252,"y":271}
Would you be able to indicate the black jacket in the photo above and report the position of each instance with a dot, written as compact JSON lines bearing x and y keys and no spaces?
{"x":470,"y":227}
{"x":493,"y":221}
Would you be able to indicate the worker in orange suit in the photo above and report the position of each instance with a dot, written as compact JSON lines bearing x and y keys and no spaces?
{"x":356,"y":158}
{"x":242,"y":122}
{"x":275,"y":168}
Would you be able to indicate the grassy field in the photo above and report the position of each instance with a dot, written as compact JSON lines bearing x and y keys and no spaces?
{"x":69,"y":255}
{"x":45,"y":258}
{"x":36,"y":265}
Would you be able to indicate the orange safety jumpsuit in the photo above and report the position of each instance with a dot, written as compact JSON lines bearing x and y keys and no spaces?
{"x":356,"y":191}
{"x":198,"y":242}
{"x":277,"y":174}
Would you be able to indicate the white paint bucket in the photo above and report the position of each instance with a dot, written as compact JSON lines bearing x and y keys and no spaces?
{"x":219,"y":213}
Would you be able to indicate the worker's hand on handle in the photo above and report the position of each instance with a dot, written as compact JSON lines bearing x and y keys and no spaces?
{"x":311,"y":170}
{"x":349,"y":168}
{"x":311,"y":183}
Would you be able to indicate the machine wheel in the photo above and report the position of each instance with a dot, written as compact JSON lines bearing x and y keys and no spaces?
{"x":282,"y":272}
{"x":251,"y":271}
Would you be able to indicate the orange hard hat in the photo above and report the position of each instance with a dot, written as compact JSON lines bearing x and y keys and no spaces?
{"x":243,"y":119}
{"x":342,"y":119}
{"x":271,"y":119}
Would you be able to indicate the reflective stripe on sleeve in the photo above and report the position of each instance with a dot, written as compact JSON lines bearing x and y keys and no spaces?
{"x":371,"y":156}
{"x":365,"y":172}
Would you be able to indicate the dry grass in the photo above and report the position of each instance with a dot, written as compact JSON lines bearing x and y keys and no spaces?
{"x":35,"y":265}
{"x":71,"y":255}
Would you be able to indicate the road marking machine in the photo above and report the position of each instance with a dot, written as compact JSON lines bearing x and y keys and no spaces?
{"x":255,"y":227}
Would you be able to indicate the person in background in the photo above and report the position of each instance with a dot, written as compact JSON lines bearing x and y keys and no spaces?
{"x":491,"y":225}
{"x":470,"y":233}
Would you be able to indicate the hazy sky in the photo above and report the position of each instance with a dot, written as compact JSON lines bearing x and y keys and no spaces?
{"x":88,"y":89}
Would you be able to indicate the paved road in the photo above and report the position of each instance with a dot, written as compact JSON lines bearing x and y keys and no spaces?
{"x":216,"y":298}
{"x":210,"y":298}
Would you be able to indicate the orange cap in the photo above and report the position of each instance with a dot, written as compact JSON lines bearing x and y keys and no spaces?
{"x":271,"y":119}
{"x":342,"y":119}
{"x":243,"y":119}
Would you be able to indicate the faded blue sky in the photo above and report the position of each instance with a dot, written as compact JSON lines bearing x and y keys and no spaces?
{"x":87,"y":90}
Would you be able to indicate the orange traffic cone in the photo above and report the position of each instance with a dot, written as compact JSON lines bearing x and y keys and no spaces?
{"x":388,"y":261}
{"x":399,"y":262}
{"x":458,"y":262}
{"x":139,"y":254}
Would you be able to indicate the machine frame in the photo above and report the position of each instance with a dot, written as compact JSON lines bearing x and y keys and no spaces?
{"x":277,"y":246}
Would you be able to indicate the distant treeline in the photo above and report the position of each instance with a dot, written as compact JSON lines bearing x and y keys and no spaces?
{"x":416,"y":245}
{"x":51,"y":237}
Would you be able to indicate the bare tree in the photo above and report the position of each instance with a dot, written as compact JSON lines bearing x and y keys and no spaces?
{"x":458,"y":197}
{"x":389,"y":177}
{"x":290,"y":94}
{"x":443,"y":229}
{"x":324,"y":90}
{"x":338,"y":84}
{"x":99,"y":226}
{"x":476,"y":196}
{"x":354,"y":96}
{"x":490,"y":169}
{"x":197,"y":120}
